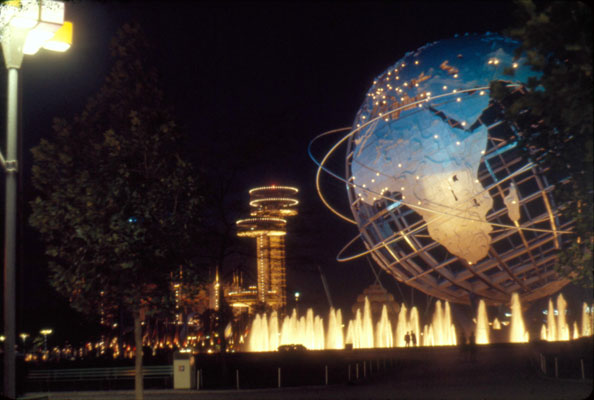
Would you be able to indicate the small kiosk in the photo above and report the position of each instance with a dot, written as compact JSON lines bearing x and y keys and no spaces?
{"x":184,"y":370}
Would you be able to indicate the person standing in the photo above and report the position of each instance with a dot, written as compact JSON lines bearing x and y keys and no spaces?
{"x":407,"y":339}
{"x":472,"y":346}
{"x":413,"y":338}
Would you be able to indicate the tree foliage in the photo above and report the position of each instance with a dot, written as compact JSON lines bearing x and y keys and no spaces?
{"x":118,"y":203}
{"x":555,"y":114}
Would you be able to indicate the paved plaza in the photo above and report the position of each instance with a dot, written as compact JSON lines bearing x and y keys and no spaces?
{"x":386,"y":388}
{"x":487,"y":377}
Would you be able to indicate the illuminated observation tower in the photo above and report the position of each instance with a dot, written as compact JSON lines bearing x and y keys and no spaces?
{"x":270,"y":206}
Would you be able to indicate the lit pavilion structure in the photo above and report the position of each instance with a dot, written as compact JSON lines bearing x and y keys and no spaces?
{"x":270,"y":208}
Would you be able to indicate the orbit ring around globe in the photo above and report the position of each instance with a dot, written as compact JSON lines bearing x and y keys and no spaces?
{"x":322,"y":167}
{"x":443,"y":197}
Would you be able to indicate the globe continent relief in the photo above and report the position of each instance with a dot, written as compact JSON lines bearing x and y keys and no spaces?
{"x":444,"y":199}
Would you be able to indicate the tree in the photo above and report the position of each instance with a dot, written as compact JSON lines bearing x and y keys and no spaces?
{"x":554,"y":115}
{"x":118,"y":205}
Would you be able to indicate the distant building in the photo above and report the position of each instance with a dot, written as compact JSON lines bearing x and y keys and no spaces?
{"x":239,"y":297}
{"x":214,"y":293}
{"x":378,"y":297}
{"x":270,"y":208}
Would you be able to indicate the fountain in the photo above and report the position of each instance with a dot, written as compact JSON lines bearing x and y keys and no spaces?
{"x":557,"y":327}
{"x":401,"y":327}
{"x":441,"y":332}
{"x":319,"y":342}
{"x":496,"y":324}
{"x":518,"y":333}
{"x":367,"y":328}
{"x":413,"y":323}
{"x":551,"y":328}
{"x":586,"y":321}
{"x":356,"y":331}
{"x":273,"y":337}
{"x":288,"y":326}
{"x":309,"y":330}
{"x":265,"y":343}
{"x":482,"y":324}
{"x":562,"y":327}
{"x":258,"y":340}
{"x":383,"y":330}
{"x":349,"y":334}
{"x":335,"y":339}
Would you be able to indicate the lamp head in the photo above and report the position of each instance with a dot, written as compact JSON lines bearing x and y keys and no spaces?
{"x":28,"y":25}
{"x":62,"y":39}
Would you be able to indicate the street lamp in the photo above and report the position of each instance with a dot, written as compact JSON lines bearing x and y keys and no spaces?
{"x":45,"y":332}
{"x":24,"y":337}
{"x":25,"y":27}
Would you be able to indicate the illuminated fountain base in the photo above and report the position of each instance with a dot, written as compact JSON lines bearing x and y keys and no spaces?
{"x":308,"y":330}
{"x":557,"y":328}
{"x":268,"y":333}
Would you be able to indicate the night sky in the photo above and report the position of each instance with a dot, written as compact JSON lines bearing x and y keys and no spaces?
{"x":272,"y":75}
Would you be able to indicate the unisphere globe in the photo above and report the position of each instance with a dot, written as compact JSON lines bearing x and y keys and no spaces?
{"x":444,"y":199}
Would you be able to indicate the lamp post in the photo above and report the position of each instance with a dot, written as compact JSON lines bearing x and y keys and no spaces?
{"x":297,"y":294}
{"x":25,"y":27}
{"x":45,"y":332}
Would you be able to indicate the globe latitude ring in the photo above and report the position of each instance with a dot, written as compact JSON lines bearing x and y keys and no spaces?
{"x":430,"y":161}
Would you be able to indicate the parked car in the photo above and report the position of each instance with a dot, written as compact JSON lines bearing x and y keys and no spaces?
{"x":292,"y":347}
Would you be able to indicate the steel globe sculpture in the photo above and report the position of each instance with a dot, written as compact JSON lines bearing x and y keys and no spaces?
{"x":443,"y":197}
